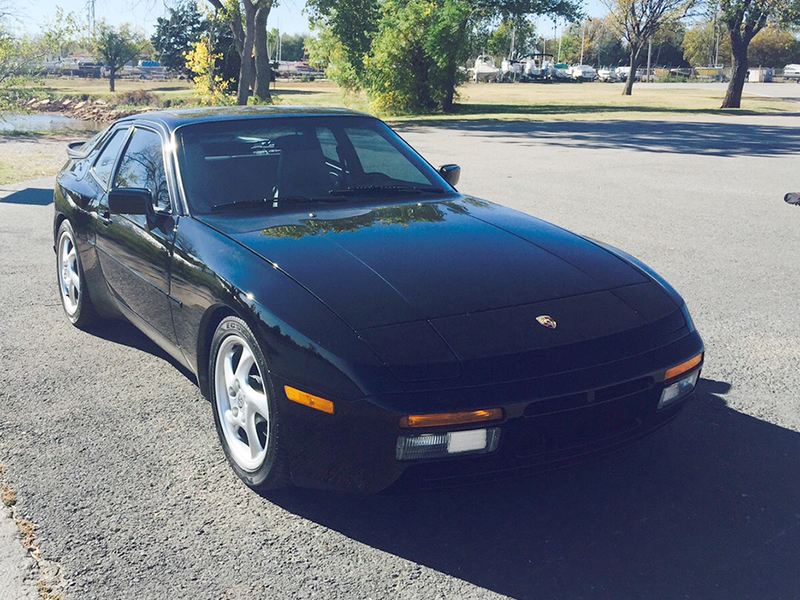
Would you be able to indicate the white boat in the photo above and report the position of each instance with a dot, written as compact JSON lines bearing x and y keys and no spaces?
{"x":609,"y":74}
{"x":510,"y":70}
{"x":484,"y":69}
{"x":561,"y":72}
{"x":582,"y":72}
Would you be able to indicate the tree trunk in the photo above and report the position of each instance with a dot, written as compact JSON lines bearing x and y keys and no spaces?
{"x":628,"y":89}
{"x":263,"y":70}
{"x":247,"y":70}
{"x":733,"y":97}
{"x":452,"y":70}
{"x":112,"y":73}
{"x":450,"y":84}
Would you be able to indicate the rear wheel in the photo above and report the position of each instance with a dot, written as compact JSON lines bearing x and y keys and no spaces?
{"x":74,"y":294}
{"x":245,"y":411}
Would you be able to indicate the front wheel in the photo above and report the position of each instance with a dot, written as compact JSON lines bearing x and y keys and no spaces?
{"x":74,"y":294}
{"x":244,"y":405}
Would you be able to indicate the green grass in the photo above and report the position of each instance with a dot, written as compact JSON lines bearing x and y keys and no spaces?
{"x":550,"y":102}
{"x":518,"y":101}
{"x":174,"y":90}
{"x":595,"y":101}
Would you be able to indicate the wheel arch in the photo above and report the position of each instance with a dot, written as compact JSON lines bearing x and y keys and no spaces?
{"x":60,"y":217}
{"x":208,"y":325}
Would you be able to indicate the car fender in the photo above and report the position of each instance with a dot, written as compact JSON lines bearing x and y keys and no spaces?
{"x":303,"y":340}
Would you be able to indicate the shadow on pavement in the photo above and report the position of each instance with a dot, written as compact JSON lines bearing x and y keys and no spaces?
{"x":707,"y":508}
{"x":126,"y":334}
{"x":30,"y":196}
{"x":713,"y":139}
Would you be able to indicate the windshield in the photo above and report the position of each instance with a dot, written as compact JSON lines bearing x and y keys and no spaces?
{"x":275,"y":162}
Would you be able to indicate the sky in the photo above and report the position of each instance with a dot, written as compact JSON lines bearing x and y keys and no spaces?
{"x":287,"y":16}
{"x":142,"y":13}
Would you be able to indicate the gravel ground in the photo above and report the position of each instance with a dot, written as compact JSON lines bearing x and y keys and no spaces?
{"x":114,"y":455}
{"x":31,"y":156}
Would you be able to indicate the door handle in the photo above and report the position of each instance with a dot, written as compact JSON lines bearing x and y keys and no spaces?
{"x":105,"y":217}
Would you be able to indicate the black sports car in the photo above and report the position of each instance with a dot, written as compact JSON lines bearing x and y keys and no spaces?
{"x":354,"y":320}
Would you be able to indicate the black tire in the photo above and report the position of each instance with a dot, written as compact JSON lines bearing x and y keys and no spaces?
{"x":73,"y":291}
{"x":245,"y":411}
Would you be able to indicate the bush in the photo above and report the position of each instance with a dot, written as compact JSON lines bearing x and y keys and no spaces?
{"x":136,"y":98}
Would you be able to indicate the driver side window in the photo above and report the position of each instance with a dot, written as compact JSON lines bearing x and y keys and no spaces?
{"x":142,"y":166}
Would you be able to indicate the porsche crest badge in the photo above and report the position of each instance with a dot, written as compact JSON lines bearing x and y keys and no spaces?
{"x":546,"y":321}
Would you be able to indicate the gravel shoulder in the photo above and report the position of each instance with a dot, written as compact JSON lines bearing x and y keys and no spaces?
{"x":26,"y":157}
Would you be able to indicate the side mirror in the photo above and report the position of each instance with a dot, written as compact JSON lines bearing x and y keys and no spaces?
{"x":130,"y":201}
{"x":450,"y":173}
{"x":792,"y":198}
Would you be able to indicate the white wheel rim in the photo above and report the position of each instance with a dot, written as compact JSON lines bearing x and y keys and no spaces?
{"x":69,"y":274}
{"x":242,"y":404}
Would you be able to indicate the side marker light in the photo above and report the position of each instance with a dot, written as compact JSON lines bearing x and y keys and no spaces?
{"x":309,"y":400}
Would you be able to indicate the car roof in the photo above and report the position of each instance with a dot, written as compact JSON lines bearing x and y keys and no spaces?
{"x":172,"y":119}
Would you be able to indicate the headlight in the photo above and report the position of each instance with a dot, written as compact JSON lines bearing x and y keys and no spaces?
{"x":678,"y":390}
{"x":679,"y":384}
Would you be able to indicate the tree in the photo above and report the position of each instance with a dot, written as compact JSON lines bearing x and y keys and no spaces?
{"x":292,"y":46}
{"x":369,"y":36}
{"x":638,"y":21}
{"x":177,"y":34}
{"x":63,"y":34}
{"x":116,"y":47}
{"x":705,"y":44}
{"x":201,"y":61}
{"x":523,"y":32}
{"x":350,"y":26}
{"x":744,"y":19}
{"x":247,"y":20}
{"x":773,"y":47}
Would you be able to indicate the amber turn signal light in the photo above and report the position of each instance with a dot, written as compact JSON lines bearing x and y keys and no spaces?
{"x":457,"y":418}
{"x":309,"y":400}
{"x":684,"y":367}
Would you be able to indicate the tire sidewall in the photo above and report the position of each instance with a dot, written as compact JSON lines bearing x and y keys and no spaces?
{"x":265,"y":477}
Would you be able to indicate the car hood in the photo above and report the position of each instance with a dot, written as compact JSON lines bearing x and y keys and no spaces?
{"x":441,"y":273}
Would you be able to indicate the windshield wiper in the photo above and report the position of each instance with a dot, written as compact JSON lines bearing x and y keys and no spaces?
{"x":241,"y":204}
{"x":270,"y":202}
{"x":386,"y":190}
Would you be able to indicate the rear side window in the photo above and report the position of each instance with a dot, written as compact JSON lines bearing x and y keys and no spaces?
{"x":104,"y":165}
{"x":142,"y":166}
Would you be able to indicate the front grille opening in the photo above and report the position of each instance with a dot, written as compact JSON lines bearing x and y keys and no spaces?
{"x":590,"y":398}
{"x":624,"y":389}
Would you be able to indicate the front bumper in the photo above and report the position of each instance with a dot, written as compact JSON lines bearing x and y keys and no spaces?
{"x":356,"y":448}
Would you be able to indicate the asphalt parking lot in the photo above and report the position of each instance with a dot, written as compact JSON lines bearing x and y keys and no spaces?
{"x":114,"y":456}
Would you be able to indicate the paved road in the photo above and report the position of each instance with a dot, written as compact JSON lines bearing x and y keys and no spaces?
{"x":114,"y":453}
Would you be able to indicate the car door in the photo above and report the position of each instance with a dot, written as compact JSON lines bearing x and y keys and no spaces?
{"x":135,"y":250}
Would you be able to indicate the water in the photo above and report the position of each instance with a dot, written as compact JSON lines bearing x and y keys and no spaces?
{"x":45,"y":122}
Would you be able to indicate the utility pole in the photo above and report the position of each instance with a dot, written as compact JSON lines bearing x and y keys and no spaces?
{"x":559,"y":40}
{"x":649,"y":56}
{"x":583,"y":39}
{"x":90,"y":10}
